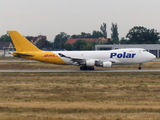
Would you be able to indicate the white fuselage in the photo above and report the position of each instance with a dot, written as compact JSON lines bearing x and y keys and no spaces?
{"x":119,"y":56}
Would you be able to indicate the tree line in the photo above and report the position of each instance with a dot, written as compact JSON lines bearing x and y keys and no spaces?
{"x":136,"y":35}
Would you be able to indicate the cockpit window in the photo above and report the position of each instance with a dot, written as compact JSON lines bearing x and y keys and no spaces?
{"x":144,"y":51}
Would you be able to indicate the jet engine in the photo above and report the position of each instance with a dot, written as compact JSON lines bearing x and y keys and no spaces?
{"x":107,"y":64}
{"x":90,"y":62}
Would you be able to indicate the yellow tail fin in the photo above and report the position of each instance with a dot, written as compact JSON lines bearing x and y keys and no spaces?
{"x":21,"y":43}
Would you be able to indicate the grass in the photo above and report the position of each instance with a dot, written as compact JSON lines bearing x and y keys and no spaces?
{"x":79,"y":96}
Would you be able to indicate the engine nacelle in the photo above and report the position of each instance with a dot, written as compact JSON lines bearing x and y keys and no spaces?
{"x":90,"y":62}
{"x":107,"y":64}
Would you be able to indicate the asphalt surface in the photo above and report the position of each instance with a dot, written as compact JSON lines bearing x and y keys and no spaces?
{"x":74,"y":71}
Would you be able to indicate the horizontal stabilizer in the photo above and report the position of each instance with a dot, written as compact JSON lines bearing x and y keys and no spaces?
{"x":22,"y":54}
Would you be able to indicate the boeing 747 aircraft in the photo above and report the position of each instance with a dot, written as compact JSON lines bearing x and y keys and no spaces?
{"x":85,"y":59}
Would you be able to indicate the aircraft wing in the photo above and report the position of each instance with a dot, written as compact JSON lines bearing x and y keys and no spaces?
{"x":114,"y":61}
{"x":80,"y":60}
{"x":76,"y":59}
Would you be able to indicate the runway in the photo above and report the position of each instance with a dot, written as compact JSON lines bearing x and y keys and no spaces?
{"x":67,"y":71}
{"x":74,"y":71}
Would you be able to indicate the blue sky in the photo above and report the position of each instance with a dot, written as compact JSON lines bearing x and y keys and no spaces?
{"x":50,"y":17}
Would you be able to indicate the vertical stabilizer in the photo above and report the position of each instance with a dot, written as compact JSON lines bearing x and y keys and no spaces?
{"x":21,"y":43}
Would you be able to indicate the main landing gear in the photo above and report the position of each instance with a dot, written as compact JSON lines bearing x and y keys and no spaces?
{"x":140,"y":67}
{"x":86,"y":68}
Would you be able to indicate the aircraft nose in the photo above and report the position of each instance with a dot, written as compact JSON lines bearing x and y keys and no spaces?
{"x":150,"y":57}
{"x":153,"y":56}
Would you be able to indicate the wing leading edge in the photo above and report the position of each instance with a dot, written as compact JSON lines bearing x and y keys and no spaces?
{"x":75,"y":59}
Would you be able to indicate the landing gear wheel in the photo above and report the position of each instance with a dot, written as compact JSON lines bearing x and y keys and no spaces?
{"x":83,"y":68}
{"x":140,"y":67}
{"x":90,"y":68}
{"x":86,"y":68}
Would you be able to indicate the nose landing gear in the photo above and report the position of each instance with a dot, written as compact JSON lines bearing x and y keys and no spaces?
{"x":140,"y":67}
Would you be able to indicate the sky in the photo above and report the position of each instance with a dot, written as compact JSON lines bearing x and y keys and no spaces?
{"x":50,"y":17}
